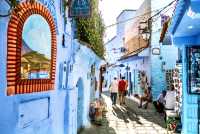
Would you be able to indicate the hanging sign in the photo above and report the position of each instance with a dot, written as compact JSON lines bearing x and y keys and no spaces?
{"x":79,"y":8}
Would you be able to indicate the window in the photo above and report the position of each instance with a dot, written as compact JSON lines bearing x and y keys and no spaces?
{"x":31,"y":68}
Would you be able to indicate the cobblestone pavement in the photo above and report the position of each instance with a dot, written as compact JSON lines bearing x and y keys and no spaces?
{"x":128,"y":119}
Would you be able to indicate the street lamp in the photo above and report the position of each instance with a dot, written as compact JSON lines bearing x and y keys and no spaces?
{"x":123,"y":49}
{"x":127,"y":69}
{"x":121,"y":65}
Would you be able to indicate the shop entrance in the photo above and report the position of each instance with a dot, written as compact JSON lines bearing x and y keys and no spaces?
{"x":80,"y":106}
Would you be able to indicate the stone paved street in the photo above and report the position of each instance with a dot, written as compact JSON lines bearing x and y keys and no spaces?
{"x":128,"y":119}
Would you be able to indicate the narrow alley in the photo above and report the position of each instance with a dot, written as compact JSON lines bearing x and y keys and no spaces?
{"x":99,"y":67}
{"x":128,"y":119}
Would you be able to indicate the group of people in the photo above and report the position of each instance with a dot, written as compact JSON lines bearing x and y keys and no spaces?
{"x":166,"y":100}
{"x":118,"y":87}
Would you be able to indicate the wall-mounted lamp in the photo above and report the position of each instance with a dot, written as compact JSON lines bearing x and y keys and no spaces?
{"x":127,"y":68}
{"x":121,"y":65}
{"x":163,"y":66}
{"x":156,"y":51}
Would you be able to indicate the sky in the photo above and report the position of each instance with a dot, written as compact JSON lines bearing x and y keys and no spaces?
{"x":36,"y":33}
{"x":110,"y":9}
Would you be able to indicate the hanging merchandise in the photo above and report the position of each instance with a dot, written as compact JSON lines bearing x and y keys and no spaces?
{"x":177,"y":82}
{"x":143,"y":80}
{"x":174,"y":77}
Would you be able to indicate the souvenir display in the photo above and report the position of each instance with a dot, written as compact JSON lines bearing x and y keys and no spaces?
{"x":193,"y":56}
{"x":174,"y":77}
{"x":177,"y":82}
{"x":169,"y":77}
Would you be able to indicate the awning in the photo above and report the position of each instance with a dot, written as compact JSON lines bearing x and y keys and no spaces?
{"x":185,"y":23}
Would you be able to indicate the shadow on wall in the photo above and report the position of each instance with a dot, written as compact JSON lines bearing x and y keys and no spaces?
{"x":80,"y":106}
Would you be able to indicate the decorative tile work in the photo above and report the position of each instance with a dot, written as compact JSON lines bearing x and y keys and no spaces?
{"x":15,"y":85}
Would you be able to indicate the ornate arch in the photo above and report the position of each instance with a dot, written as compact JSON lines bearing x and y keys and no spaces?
{"x":16,"y":85}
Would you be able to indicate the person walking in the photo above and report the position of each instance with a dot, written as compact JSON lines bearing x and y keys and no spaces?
{"x":122,"y":86}
{"x":114,"y":90}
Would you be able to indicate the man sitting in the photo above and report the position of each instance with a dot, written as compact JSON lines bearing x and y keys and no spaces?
{"x":170,"y":98}
{"x":160,"y":102}
{"x":146,"y":97}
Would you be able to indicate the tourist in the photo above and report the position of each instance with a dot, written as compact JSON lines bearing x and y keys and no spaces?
{"x":160,"y":102}
{"x":122,"y":87}
{"x":114,"y":90}
{"x":147,"y":97}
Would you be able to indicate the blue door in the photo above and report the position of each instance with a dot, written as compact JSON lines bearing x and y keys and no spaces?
{"x":80,"y":105}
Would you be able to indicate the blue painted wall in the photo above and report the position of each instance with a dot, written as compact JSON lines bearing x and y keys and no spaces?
{"x":61,"y":106}
{"x":168,"y":54}
{"x":190,"y":104}
{"x":9,"y":117}
{"x":84,"y":57}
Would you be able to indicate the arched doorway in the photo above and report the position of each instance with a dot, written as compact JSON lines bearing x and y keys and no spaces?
{"x":80,"y":105}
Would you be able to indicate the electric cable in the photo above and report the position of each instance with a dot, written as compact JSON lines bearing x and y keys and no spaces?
{"x":159,"y":11}
{"x":156,"y":14}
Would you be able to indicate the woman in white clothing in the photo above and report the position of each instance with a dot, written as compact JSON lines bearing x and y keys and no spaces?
{"x":114,"y":90}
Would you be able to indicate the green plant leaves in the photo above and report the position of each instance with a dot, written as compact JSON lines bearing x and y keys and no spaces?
{"x":91,"y":30}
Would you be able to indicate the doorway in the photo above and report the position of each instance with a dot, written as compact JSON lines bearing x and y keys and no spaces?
{"x":80,"y":106}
